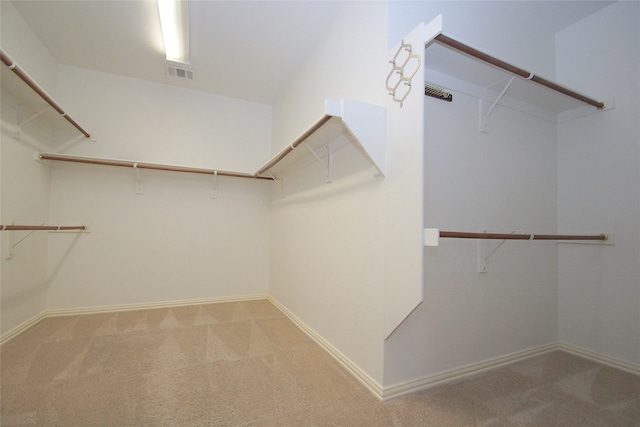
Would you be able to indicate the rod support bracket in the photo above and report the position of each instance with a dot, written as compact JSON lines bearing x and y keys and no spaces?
{"x":139,"y":184}
{"x":485,"y":110}
{"x":215,"y":186}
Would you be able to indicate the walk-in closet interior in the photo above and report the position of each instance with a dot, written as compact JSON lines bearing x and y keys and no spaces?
{"x":427,"y":189}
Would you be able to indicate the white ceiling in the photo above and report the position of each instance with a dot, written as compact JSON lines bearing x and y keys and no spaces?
{"x":555,"y":15}
{"x":244,"y":49}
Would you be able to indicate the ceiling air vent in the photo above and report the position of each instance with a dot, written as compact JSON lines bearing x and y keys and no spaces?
{"x":182,"y":73}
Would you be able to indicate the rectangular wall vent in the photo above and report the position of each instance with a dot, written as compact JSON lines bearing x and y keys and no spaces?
{"x":179,"y":72}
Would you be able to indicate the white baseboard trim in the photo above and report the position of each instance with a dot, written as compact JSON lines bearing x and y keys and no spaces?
{"x":124,"y":307}
{"x":401,"y":389}
{"x":151,"y":305}
{"x":600,"y":358}
{"x":22,"y":327}
{"x":355,"y":371}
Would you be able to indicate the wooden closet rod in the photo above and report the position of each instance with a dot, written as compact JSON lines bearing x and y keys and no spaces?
{"x":139,"y":165}
{"x":43,"y":227}
{"x":500,"y":236}
{"x":37,"y":89}
{"x":517,"y":71}
{"x":289,"y":148}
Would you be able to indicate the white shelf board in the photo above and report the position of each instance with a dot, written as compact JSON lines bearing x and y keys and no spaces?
{"x":31,"y":108}
{"x":446,"y":60}
{"x":19,"y":95}
{"x":332,"y":133}
{"x":350,"y":122}
{"x":460,"y":66}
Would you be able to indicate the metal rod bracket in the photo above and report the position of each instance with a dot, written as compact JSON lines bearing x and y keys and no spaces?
{"x":485,"y":110}
{"x":139,"y":183}
{"x":328,"y":165}
{"x":21,"y":123}
{"x":215,"y":187}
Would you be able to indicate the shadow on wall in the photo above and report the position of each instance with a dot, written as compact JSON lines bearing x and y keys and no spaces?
{"x":61,"y":261}
{"x":312,"y":181}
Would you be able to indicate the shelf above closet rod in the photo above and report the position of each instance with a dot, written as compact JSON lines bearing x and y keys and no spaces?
{"x":461,"y":47}
{"x":432,"y":236}
{"x":289,"y":148}
{"x":346,"y":121}
{"x":6,"y":60}
{"x":43,"y":227}
{"x":501,"y":236}
{"x":141,"y":165}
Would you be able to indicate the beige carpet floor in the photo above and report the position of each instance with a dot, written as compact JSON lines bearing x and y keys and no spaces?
{"x":246,"y":364}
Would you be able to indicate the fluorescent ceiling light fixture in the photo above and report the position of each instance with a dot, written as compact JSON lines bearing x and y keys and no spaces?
{"x":174,"y":20}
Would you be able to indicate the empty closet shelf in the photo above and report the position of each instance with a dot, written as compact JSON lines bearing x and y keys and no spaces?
{"x":43,"y":227}
{"x":432,"y":236}
{"x":25,"y":89}
{"x":142,"y":165}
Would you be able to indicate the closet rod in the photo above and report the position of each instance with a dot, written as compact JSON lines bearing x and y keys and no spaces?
{"x":43,"y":227}
{"x":138,"y":165}
{"x":317,"y":125}
{"x":517,"y":71}
{"x":500,"y":236}
{"x":37,"y":89}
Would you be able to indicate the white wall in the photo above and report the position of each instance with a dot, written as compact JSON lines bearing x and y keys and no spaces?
{"x":599,"y":172}
{"x":342,"y":65}
{"x":24,"y":183}
{"x":25,"y":200}
{"x":327,"y":261}
{"x":151,"y":122}
{"x":501,"y":181}
{"x":174,"y":242}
